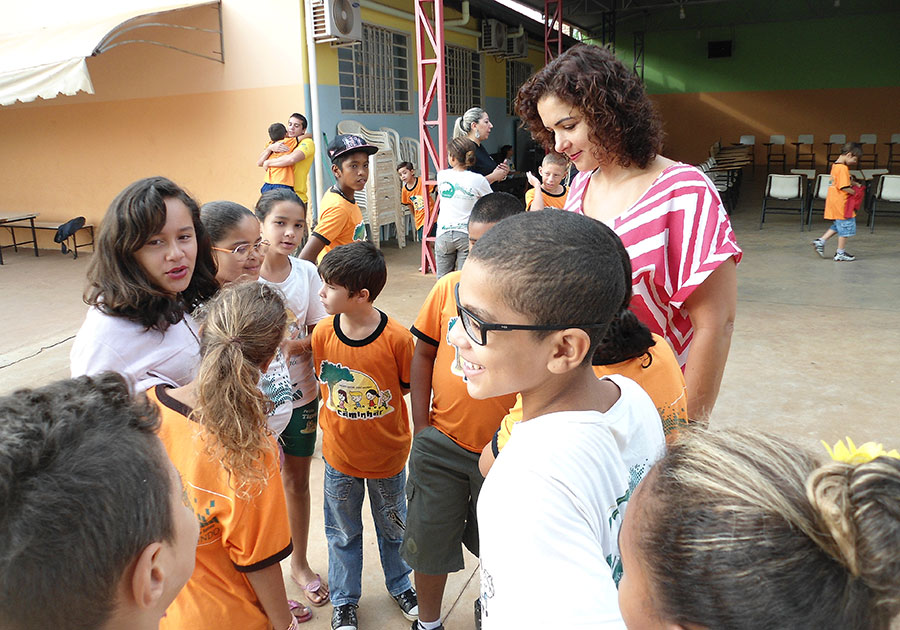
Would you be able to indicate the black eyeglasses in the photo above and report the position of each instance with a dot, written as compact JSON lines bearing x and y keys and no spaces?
{"x":477,"y":329}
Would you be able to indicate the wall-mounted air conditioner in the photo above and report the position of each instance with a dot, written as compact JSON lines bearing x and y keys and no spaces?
{"x":516,"y":48}
{"x":336,"y":21}
{"x":493,"y":37}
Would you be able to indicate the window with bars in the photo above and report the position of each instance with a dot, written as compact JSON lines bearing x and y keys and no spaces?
{"x":516,"y":74}
{"x":464,"y":79}
{"x":374,"y":75}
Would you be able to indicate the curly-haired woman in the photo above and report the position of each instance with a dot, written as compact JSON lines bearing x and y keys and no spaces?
{"x":591,"y":107}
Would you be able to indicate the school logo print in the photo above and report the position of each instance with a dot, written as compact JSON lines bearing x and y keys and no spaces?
{"x":203,"y":502}
{"x":359,"y":233}
{"x":456,"y":365}
{"x":353,"y":395}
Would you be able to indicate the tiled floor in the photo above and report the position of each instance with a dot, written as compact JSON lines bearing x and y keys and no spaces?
{"x":814,"y":354}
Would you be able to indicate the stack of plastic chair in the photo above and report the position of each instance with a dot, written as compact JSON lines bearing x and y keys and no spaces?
{"x":784,"y":188}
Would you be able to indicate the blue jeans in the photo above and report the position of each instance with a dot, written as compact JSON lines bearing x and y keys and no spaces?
{"x":343,"y":531}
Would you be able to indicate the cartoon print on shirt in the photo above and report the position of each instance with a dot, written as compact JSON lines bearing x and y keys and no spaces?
{"x":359,"y":232}
{"x":346,"y":390}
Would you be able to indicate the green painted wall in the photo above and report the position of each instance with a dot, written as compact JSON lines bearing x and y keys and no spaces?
{"x":789,"y":55}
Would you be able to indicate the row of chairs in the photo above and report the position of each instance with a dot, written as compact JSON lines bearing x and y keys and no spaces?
{"x":804,"y":151}
{"x":797,"y":188}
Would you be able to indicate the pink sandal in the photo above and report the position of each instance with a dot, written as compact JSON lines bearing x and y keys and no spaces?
{"x":296,"y":606}
{"x":313,"y":588}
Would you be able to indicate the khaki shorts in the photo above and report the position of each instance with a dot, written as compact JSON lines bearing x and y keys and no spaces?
{"x":441,"y":494}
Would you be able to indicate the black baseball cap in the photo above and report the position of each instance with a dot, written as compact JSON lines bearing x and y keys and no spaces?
{"x":346,"y":142}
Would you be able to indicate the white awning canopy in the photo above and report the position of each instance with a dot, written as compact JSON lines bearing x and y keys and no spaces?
{"x":44,"y":43}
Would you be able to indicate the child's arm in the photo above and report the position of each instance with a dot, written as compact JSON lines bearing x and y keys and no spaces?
{"x":487,"y":458}
{"x":296,"y":347}
{"x":311,"y":250}
{"x":420,"y":383}
{"x":268,"y":584}
{"x":264,"y":155}
{"x":287,"y":160}
{"x":538,"y":202}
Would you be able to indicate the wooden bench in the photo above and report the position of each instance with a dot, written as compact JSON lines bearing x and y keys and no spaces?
{"x":33,"y":225}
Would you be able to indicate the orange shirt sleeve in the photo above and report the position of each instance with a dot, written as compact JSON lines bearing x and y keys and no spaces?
{"x":333,"y":218}
{"x":529,"y":198}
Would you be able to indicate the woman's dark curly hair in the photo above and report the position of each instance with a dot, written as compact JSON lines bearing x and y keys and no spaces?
{"x":117,"y":285}
{"x":623,"y":122}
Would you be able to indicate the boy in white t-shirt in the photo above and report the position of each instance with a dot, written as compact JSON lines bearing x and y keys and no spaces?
{"x":535,"y":298}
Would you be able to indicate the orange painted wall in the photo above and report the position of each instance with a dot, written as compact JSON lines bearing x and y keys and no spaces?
{"x":72,"y":160}
{"x":159,"y":112}
{"x":694,"y":121}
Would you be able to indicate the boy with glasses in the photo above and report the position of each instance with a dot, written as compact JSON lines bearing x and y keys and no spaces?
{"x":535,"y":298}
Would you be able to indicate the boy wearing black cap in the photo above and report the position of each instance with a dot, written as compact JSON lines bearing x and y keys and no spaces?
{"x":340,"y":219}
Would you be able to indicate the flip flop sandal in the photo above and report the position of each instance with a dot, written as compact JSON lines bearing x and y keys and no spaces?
{"x":296,"y":606}
{"x":312,"y":588}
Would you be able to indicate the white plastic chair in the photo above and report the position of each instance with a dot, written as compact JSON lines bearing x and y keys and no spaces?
{"x":895,"y":140}
{"x":819,"y":192}
{"x":774,"y":154}
{"x":805,"y":140}
{"x":838,"y":139}
{"x":887,"y":190}
{"x":865,"y":140}
{"x":750,"y":141}
{"x":784,"y":188}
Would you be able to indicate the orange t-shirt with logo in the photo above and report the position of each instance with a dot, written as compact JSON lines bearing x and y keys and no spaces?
{"x":282,"y":174}
{"x":340,"y":222}
{"x":237,"y":535}
{"x":657,"y":372}
{"x":836,"y":199}
{"x":365,"y":424}
{"x":550,"y":200}
{"x":413,"y":199}
{"x":467,"y":421}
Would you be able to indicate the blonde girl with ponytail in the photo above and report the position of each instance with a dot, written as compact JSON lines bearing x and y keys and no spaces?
{"x":458,"y":190}
{"x":740,"y":530}
{"x":215,"y":432}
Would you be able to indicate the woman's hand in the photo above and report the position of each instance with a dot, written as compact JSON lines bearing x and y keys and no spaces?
{"x":499,"y":174}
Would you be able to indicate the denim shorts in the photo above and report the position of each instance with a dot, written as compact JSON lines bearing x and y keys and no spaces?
{"x":844,"y":227}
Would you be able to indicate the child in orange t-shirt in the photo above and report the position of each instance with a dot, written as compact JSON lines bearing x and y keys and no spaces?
{"x":411,"y":195}
{"x":450,"y":429}
{"x":362,"y":359}
{"x":214,"y":430}
{"x":842,"y":186}
{"x":553,"y":193}
{"x":279,"y":176}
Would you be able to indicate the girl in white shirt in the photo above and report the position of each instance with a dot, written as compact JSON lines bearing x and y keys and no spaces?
{"x":283,"y":219}
{"x":459,"y":189}
{"x":152,"y":266}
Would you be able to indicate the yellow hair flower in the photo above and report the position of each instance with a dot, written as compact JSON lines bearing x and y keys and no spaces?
{"x":850,"y":453}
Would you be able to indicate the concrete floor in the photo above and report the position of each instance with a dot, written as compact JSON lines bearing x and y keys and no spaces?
{"x":814,"y":354}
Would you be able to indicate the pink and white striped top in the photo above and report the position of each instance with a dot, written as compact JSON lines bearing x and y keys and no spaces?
{"x":676,"y":234}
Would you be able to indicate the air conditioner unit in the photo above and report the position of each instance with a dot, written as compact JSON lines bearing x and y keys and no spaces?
{"x":336,"y":21}
{"x":493,"y":37}
{"x":516,"y":48}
